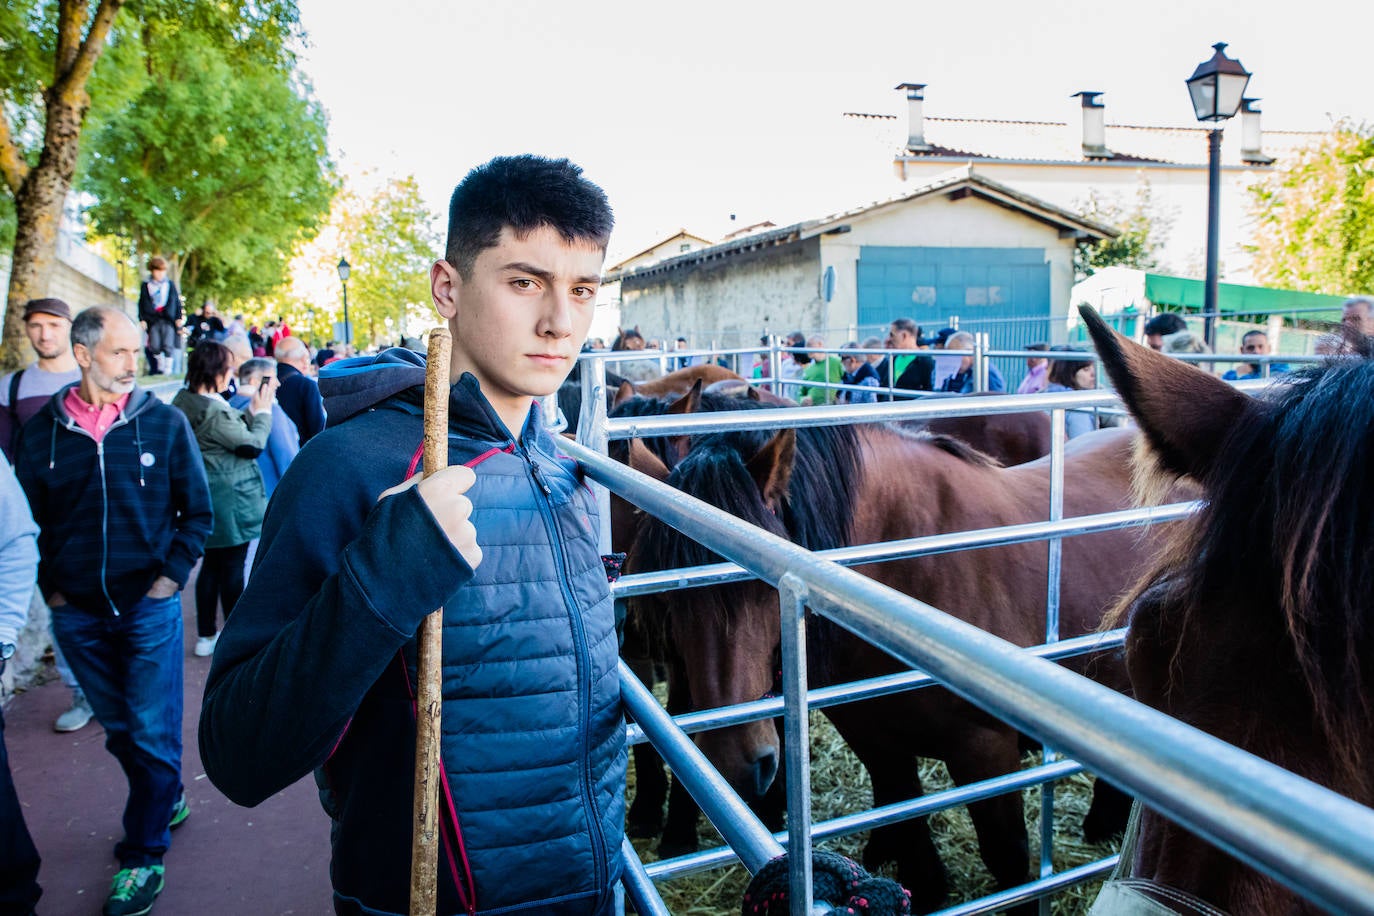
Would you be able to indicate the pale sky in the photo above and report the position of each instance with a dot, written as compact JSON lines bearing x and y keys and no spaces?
{"x":688,"y":113}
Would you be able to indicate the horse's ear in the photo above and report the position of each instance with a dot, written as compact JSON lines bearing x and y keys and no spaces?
{"x":623,"y":394}
{"x":646,"y":462}
{"x":752,"y":393}
{"x":771,"y":468}
{"x":1184,"y":412}
{"x":688,"y":403}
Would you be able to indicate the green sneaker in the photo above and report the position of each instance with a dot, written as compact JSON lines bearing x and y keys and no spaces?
{"x":180,"y":812}
{"x":133,"y":891}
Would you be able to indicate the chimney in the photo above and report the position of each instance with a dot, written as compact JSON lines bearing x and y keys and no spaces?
{"x":1094,"y":126}
{"x":916,"y":119}
{"x":1251,"y":137}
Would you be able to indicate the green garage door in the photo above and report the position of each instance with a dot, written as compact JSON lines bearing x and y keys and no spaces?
{"x":1002,"y":291}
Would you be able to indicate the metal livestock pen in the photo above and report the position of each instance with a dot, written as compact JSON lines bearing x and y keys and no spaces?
{"x":1315,"y":841}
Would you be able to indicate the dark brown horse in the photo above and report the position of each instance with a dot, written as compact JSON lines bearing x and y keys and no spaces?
{"x":835,"y":486}
{"x":1011,"y":438}
{"x":1256,"y":624}
{"x":651,"y":658}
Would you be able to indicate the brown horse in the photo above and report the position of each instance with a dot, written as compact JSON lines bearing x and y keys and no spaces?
{"x":1011,"y":438}
{"x":835,"y":486}
{"x":1255,"y":625}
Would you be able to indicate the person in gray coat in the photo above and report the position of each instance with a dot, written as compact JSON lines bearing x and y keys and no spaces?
{"x":230,"y":442}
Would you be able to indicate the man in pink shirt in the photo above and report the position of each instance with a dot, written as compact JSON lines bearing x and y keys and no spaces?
{"x":118,"y":489}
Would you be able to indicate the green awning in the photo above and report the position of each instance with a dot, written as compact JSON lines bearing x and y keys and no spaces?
{"x":1179,"y":293}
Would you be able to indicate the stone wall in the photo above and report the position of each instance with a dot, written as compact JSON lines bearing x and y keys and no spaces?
{"x":731,"y":300}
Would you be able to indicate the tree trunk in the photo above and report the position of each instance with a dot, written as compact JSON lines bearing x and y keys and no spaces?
{"x":41,"y":192}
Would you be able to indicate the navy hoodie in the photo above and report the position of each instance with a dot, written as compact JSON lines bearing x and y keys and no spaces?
{"x":115,"y":514}
{"x":314,"y":670}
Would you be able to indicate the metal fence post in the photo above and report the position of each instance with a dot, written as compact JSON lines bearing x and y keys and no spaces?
{"x":792,"y":595}
{"x":1058,"y":422}
{"x":774,"y":365}
{"x":591,"y":432}
{"x":980,"y":362}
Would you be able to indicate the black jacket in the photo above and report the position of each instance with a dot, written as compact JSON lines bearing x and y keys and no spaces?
{"x":299,"y":396}
{"x":149,"y":313}
{"x":919,"y":374}
{"x":116,"y":514}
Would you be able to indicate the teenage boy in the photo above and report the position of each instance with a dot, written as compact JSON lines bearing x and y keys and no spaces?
{"x":316,"y":668}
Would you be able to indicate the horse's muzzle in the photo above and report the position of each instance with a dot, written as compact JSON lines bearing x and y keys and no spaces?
{"x":765,"y":770}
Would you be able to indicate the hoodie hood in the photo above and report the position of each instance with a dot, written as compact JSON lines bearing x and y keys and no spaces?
{"x":351,"y":386}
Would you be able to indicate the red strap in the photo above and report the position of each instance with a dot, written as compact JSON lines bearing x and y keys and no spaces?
{"x":420,"y":453}
{"x":467,"y":890}
{"x":449,"y":826}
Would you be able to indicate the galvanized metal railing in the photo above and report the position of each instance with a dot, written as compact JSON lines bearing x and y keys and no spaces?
{"x":798,"y":584}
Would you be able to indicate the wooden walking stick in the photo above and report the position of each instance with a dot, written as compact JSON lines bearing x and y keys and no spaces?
{"x":424,"y":847}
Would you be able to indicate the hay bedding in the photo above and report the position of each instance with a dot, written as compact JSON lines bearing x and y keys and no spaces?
{"x":839,"y":785}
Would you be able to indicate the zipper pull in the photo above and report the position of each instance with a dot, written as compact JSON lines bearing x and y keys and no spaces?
{"x":539,"y":477}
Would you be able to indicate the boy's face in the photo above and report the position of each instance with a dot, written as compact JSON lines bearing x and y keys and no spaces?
{"x":520,"y":319}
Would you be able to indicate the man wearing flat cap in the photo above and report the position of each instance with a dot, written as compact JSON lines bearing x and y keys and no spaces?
{"x":48,"y":322}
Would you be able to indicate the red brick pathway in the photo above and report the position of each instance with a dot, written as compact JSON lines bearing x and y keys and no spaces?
{"x":272,"y":859}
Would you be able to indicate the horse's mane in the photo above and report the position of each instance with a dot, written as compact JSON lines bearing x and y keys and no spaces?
{"x":641,"y":406}
{"x":822,"y":499}
{"x":951,"y":445}
{"x":1289,"y":525}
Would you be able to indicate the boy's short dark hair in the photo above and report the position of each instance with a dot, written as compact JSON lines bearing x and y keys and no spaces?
{"x":525,"y":193}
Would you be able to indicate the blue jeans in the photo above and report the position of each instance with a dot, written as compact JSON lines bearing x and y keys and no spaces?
{"x":130,"y":667}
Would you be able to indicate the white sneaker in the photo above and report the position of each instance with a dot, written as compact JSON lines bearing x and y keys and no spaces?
{"x":75,"y":718}
{"x":205,"y":645}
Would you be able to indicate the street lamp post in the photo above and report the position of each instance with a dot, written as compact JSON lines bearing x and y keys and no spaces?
{"x":343,"y":277}
{"x":1216,"y":87}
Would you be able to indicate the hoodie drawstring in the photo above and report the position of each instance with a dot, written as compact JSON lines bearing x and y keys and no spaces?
{"x":138,"y":444}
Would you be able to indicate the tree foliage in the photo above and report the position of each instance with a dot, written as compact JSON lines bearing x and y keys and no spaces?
{"x":48,"y":52}
{"x":1314,"y":216}
{"x":391,"y":241}
{"x":217,"y":159}
{"x":389,"y":237}
{"x":1142,"y":226}
{"x":70,"y":66}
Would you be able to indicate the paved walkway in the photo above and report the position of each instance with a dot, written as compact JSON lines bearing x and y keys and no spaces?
{"x":272,"y":859}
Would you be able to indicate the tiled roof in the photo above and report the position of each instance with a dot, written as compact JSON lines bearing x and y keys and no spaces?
{"x":955,"y":180}
{"x":680,"y":234}
{"x":974,"y":139}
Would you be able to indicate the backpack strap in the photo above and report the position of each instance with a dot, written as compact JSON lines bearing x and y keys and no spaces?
{"x":13,"y":406}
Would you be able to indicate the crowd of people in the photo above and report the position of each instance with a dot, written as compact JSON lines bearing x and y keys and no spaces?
{"x":129,"y":495}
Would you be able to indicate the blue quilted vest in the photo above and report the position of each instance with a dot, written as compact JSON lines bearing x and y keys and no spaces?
{"x":533,"y":746}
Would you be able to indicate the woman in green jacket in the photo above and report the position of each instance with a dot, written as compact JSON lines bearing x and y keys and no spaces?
{"x":230,"y":442}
